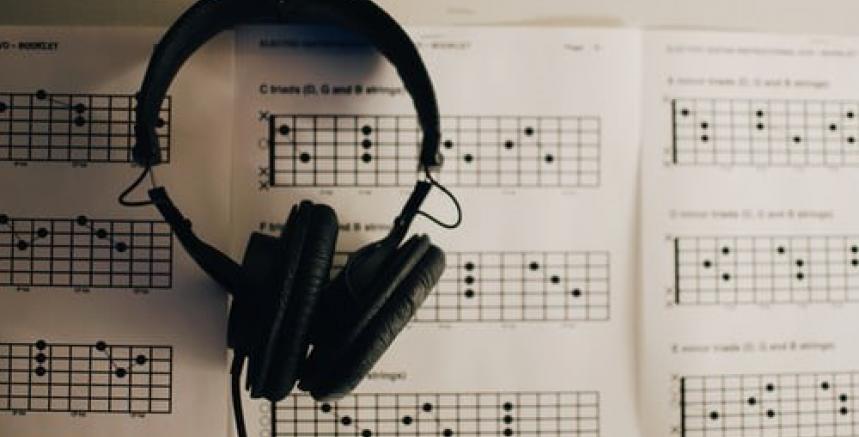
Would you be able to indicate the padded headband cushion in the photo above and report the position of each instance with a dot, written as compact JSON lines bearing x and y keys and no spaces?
{"x":290,"y":332}
{"x":207,"y":18}
{"x":335,"y":369}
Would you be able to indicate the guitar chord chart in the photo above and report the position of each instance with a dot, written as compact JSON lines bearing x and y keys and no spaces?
{"x":480,"y":151}
{"x":85,"y":252}
{"x":778,"y":405}
{"x":44,"y":127}
{"x":568,"y":414}
{"x":744,"y":132}
{"x":766,"y":269}
{"x":91,"y":378}
{"x":517,"y":287}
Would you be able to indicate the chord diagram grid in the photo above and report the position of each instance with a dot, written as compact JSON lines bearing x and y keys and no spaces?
{"x":744,"y":132}
{"x":84,"y":252}
{"x":778,"y":405}
{"x":92,"y":378}
{"x":517,"y":287}
{"x":479,"y":151}
{"x":45,"y":127}
{"x":440,"y":414}
{"x":766,"y":269}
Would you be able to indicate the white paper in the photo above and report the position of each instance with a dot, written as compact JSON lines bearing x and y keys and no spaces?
{"x":568,"y":207}
{"x":160,"y":320}
{"x":748,"y":227}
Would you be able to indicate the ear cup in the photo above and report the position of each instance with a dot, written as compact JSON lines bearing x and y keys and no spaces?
{"x":308,"y":242}
{"x":335,"y":368}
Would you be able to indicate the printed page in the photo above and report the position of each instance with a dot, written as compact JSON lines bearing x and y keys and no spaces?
{"x":106,"y":326}
{"x":530,"y":331}
{"x":749,"y":235}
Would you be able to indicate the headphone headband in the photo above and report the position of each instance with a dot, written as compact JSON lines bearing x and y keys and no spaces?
{"x":207,"y":18}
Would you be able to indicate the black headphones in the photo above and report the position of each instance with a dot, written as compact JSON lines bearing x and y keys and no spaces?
{"x":283,"y":301}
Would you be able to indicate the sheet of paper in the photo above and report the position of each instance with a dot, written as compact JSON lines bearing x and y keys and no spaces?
{"x":749,"y":246}
{"x":531,"y":329}
{"x":106,"y":326}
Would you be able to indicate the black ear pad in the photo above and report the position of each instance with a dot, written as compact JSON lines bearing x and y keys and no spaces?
{"x":307,"y":245}
{"x":339,"y":362}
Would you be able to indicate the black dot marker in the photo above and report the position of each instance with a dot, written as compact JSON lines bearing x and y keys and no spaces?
{"x":726,"y":250}
{"x":508,"y":419}
{"x":120,"y":247}
{"x":23,"y":245}
{"x":549,"y":159}
{"x":160,"y":123}
{"x":797,"y":139}
{"x":407,"y":420}
{"x":120,"y":373}
{"x":704,"y":125}
{"x":760,"y":113}
{"x":448,"y":144}
{"x":366,"y":130}
{"x":843,"y":411}
{"x":101,"y":233}
{"x":850,"y":114}
{"x":40,"y":358}
{"x":855,"y":262}
{"x":366,"y":433}
{"x":4,"y":219}
{"x":800,"y":276}
{"x":705,"y":138}
{"x":770,"y":387}
{"x":851,"y":140}
{"x":799,"y":263}
{"x":41,"y":345}
{"x":752,"y":401}
{"x":824,"y":385}
{"x":304,"y":157}
{"x":326,"y":408}
{"x":140,"y":360}
{"x":40,"y":371}
{"x":469,"y":266}
{"x":42,"y":233}
{"x":101,"y":346}
{"x":770,"y":413}
{"x":447,"y":432}
{"x":533,"y":266}
{"x":41,"y":94}
{"x":854,"y":249}
{"x":780,"y":249}
{"x":427,"y":407}
{"x":726,"y":276}
{"x":366,"y":158}
{"x":842,"y":398}
{"x":346,"y":420}
{"x":3,"y":107}
{"x":684,"y":112}
{"x":529,"y":131}
{"x":284,"y":129}
{"x":366,"y":144}
{"x":833,"y":127}
{"x":555,"y":279}
{"x":508,"y":144}
{"x":80,"y":108}
{"x":707,"y":264}
{"x":508,"y":432}
{"x":760,"y":126}
{"x":468,"y":157}
{"x":469,"y":293}
{"x":81,"y":220}
{"x":577,"y":292}
{"x":714,"y":415}
{"x":508,"y":406}
{"x":80,"y":121}
{"x":469,"y":280}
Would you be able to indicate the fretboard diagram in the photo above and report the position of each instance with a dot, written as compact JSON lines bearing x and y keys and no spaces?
{"x":89,"y":378}
{"x":518,"y":287}
{"x":766,"y":133}
{"x":484,"y":151}
{"x":766,"y":270}
{"x":568,"y":414}
{"x":43,"y":127}
{"x":779,"y":405}
{"x":85,"y":252}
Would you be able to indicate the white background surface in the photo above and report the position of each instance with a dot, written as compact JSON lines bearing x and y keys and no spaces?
{"x":795,"y":16}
